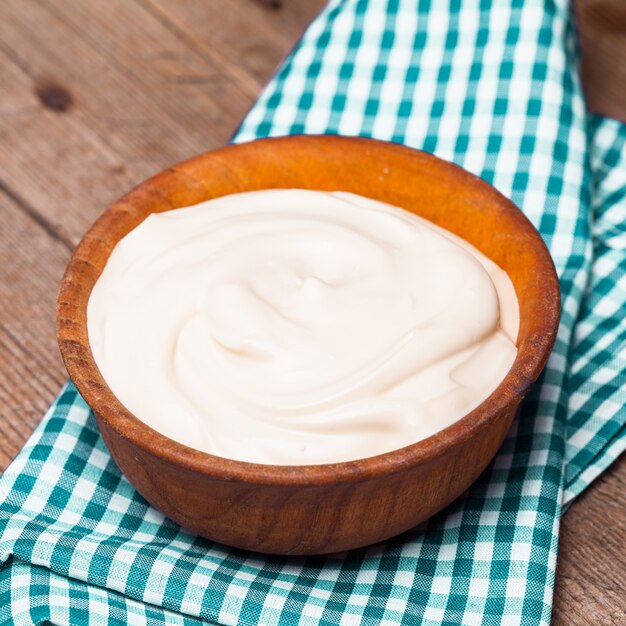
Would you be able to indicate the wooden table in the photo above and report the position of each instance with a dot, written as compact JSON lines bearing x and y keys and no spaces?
{"x":96,"y":96}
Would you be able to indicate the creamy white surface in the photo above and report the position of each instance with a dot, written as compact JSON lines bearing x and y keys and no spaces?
{"x":297,"y":327}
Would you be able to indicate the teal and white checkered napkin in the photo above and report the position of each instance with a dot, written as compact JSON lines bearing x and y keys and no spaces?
{"x":491,"y":85}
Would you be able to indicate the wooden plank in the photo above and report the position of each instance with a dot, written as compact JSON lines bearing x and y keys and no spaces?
{"x":138,"y":128}
{"x":31,"y":372}
{"x":591,"y":571}
{"x":53,"y":162}
{"x":602,"y":31}
{"x":156,"y":60}
{"x":253,"y":37}
{"x":140,"y":95}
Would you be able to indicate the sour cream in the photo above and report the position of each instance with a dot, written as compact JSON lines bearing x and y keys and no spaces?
{"x":300,"y":327}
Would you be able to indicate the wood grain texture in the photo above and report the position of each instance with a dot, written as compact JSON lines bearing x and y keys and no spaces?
{"x":602,"y":33}
{"x":592,"y":555}
{"x":59,"y":169}
{"x":31,"y":373}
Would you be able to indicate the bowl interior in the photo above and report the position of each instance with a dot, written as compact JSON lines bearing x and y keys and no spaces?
{"x":414,"y":180}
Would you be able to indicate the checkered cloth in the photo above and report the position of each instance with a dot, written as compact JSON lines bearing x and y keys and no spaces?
{"x":491,"y":85}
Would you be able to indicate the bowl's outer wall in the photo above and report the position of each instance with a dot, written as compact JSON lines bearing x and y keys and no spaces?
{"x":315,"y":509}
{"x":284,"y":519}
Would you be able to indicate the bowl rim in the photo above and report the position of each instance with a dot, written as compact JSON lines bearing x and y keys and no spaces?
{"x":85,"y":375}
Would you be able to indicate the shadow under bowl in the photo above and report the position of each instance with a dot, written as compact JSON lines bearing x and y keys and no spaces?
{"x":317,"y":508}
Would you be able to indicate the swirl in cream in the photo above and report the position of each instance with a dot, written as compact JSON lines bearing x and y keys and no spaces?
{"x":298,"y":327}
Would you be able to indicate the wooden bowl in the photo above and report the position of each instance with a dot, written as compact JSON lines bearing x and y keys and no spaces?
{"x":317,"y":508}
